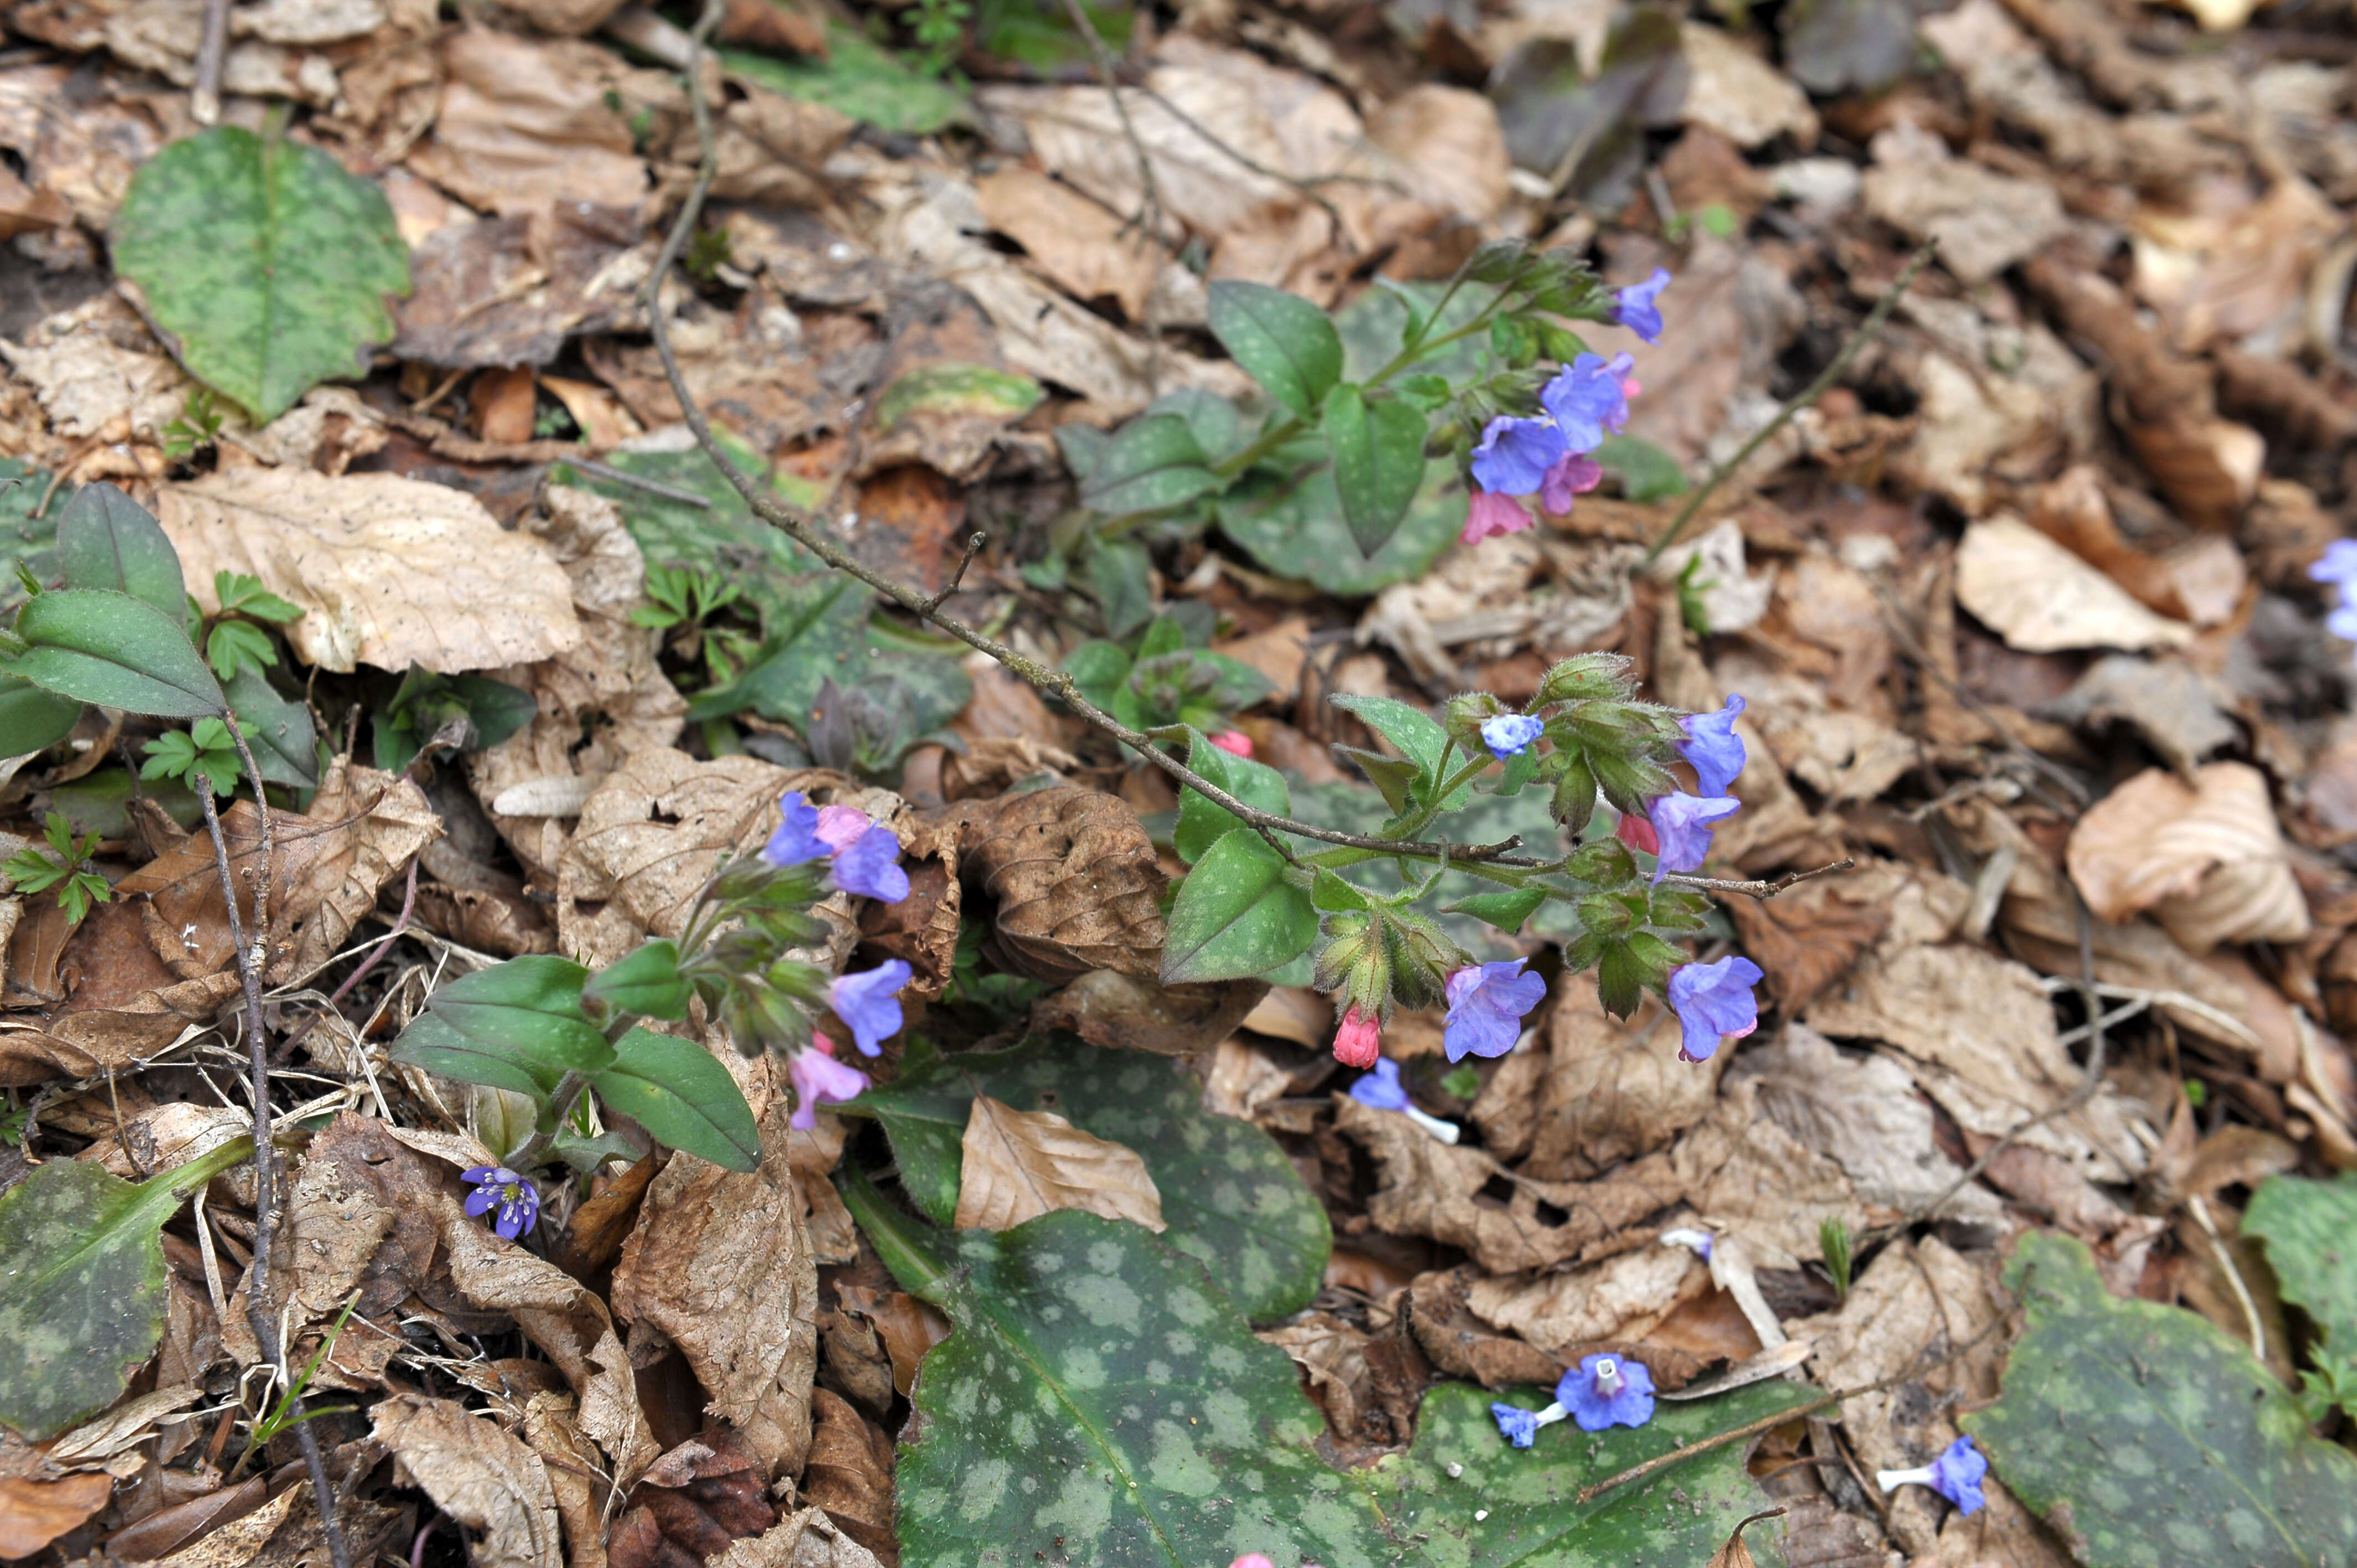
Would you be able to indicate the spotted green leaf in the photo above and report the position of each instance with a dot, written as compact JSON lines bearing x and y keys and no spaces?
{"x":2311,"y":1229}
{"x":2146,"y":1436}
{"x":1282,"y":341}
{"x":1236,"y":915}
{"x":83,"y":1308}
{"x":1201,"y":823}
{"x":264,"y":262}
{"x":1230,"y":1197}
{"x":95,"y":645}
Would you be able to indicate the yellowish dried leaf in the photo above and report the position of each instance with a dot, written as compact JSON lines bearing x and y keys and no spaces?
{"x":2207,"y":860}
{"x":480,"y":1474}
{"x":1019,"y":1164}
{"x":2041,"y":598}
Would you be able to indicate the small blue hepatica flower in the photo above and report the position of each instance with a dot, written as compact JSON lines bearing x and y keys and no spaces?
{"x":1602,"y":1390}
{"x":1956,"y":1475}
{"x":516,"y":1198}
{"x":1381,"y":1091}
{"x":1510,"y":735}
{"x":1486,"y":1004}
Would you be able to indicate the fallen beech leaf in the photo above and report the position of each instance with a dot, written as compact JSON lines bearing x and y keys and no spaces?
{"x":1612,"y":1089}
{"x":333,"y":1226}
{"x":1019,"y":1164}
{"x":1618,"y":1299}
{"x":721,"y":1262}
{"x":170,"y":1529}
{"x":806,"y":1539}
{"x":1134,"y":1013}
{"x":242,"y":1540}
{"x":576,"y":1475}
{"x":88,"y":1044}
{"x":850,"y":1474}
{"x":1075,"y":879}
{"x":2171,"y":703}
{"x":526,"y":122}
{"x":479,"y":1474}
{"x":1462,"y":1344}
{"x":390,"y":572}
{"x":2208,"y":861}
{"x":1744,"y":1172}
{"x":2041,"y":597}
{"x":1806,"y":937}
{"x":33,"y":1513}
{"x":1086,"y":248}
{"x":1984,"y":221}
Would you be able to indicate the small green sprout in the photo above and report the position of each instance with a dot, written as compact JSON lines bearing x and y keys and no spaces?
{"x":77,"y":890}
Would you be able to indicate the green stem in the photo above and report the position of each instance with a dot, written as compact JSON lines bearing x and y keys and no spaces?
{"x":898,"y":1239}
{"x":182,"y":1180}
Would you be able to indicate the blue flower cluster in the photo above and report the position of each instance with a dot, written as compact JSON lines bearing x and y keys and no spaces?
{"x":1603,"y":1391}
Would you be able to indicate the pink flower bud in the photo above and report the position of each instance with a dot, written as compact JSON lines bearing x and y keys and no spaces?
{"x":1359,"y":1042}
{"x":1234,"y":740}
{"x":1638,"y":834}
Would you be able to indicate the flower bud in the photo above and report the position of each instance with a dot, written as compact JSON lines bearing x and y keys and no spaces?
{"x":1355,"y":965}
{"x":1422,"y":957}
{"x":1497,"y":261}
{"x":802,"y":982}
{"x":1585,"y":676}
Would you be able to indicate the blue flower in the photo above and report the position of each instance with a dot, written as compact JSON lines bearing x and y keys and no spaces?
{"x":517,"y":1199}
{"x":1486,"y":1004}
{"x":1634,"y":306}
{"x":1381,"y":1089}
{"x":1713,"y":1000}
{"x":1713,"y":748}
{"x":2338,"y":565}
{"x":796,"y":840}
{"x":871,"y":1004}
{"x":1515,"y":455}
{"x":1521,"y":1427}
{"x":1956,"y":1475}
{"x":871,"y":867}
{"x":1682,"y":826}
{"x":1587,"y":399}
{"x":1510,"y":735}
{"x":2343,"y":622}
{"x":1607,"y":1390}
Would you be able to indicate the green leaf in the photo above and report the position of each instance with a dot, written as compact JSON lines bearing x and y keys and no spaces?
{"x":107,"y":539}
{"x":818,"y":632}
{"x":586,"y":1154}
{"x":1230,"y":1197}
{"x":1200,"y":823}
{"x":245,"y":596}
{"x":25,"y":540}
{"x":531,"y":1009}
{"x":957,"y":390}
{"x":2149,"y":1436}
{"x":2310,"y":1231}
{"x":1100,"y":669}
{"x":682,"y":1096}
{"x":279,"y":730}
{"x":83,"y":1256}
{"x":1507,"y":911}
{"x":1153,"y":463}
{"x":1416,"y":733}
{"x":1393,"y":777}
{"x":32,"y":719}
{"x":432,"y":1044}
{"x":858,"y":79}
{"x":1236,"y":917}
{"x":266,"y":262}
{"x":235,"y":645}
{"x":1121,"y":576}
{"x":646,"y":983}
{"x":1646,"y":472}
{"x":1378,"y":462}
{"x":1282,"y":341}
{"x":1295,"y":527}
{"x":101,"y":647}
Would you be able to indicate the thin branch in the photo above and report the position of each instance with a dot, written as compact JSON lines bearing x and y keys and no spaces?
{"x":1149,"y":208}
{"x":974,"y":543}
{"x":269,"y":847}
{"x":1763,"y":891}
{"x":261,"y":1316}
{"x":1807,"y":395}
{"x":212,"y":50}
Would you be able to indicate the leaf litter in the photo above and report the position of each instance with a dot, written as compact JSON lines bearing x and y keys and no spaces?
{"x":2047,"y":1126}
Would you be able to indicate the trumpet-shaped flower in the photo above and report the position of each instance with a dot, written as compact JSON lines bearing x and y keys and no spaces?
{"x":1587,"y":399}
{"x":1633,"y":306}
{"x":1510,"y":735}
{"x":1486,"y":1004}
{"x":1713,"y":748}
{"x":871,"y":1004}
{"x":1573,"y":474}
{"x":1489,"y":514}
{"x":1515,"y":454}
{"x":1359,"y":1041}
{"x":1956,"y":1475}
{"x":820,"y":1079}
{"x":1682,"y":822}
{"x":797,"y":839}
{"x":1607,"y":1390}
{"x":1712,"y":1001}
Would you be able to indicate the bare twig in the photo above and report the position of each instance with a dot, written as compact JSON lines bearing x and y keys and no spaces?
{"x":212,"y":49}
{"x":612,"y":475}
{"x":269,"y":848}
{"x":1762,"y":891}
{"x":1149,"y":207}
{"x":1803,"y":399}
{"x":974,"y":543}
{"x":261,"y":1315}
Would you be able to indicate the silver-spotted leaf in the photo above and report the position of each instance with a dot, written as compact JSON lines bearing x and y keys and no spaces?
{"x":2311,"y":1229}
{"x":1230,"y":1195}
{"x":84,"y":1261}
{"x":1236,"y":917}
{"x":2146,"y":1436}
{"x":266,"y":262}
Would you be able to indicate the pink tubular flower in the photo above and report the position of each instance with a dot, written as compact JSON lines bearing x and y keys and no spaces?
{"x":840,"y":827}
{"x":1359,"y":1042}
{"x":1491,"y":514}
{"x":1234,"y":740}
{"x":1575,"y":474}
{"x":820,"y":1079}
{"x":1638,"y":834}
{"x":1252,"y":1560}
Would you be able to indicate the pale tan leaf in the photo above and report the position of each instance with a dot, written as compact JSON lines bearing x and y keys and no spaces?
{"x":1620,"y":1298}
{"x":1739,"y":95}
{"x":390,"y":572}
{"x":35,"y":1512}
{"x":524,"y":122}
{"x":2208,"y":860}
{"x":2041,"y":598}
{"x":808,"y":1539}
{"x":477,"y":1473}
{"x":721,"y":1262}
{"x":1744,"y":1172}
{"x":1019,"y":1164}
{"x":1612,"y":1089}
{"x":1085,"y":247}
{"x":120,"y":1427}
{"x":240,"y":1540}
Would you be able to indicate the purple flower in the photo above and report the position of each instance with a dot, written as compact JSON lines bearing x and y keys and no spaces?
{"x":1714,"y":999}
{"x":1634,"y":306}
{"x":1573,"y":474}
{"x":2338,"y":565}
{"x":1515,"y":454}
{"x":1587,"y":399}
{"x":1489,"y":514}
{"x":1607,"y":1390}
{"x":1510,"y":735}
{"x":1486,"y":1004}
{"x":1682,"y":822}
{"x":871,"y":867}
{"x":1956,"y":1475}
{"x":2343,"y":622}
{"x":1713,"y":748}
{"x":517,"y":1199}
{"x":1521,"y":1427}
{"x":868,"y":1003}
{"x":1381,"y":1089}
{"x":797,"y":839}
{"x":820,"y":1079}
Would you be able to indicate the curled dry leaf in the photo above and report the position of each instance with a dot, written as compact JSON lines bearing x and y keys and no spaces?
{"x":1083,"y":246}
{"x":1612,"y":1090}
{"x":2208,"y":861}
{"x":525,"y":123}
{"x":1620,"y":1298}
{"x":1019,"y":1164}
{"x":1743,"y":1173}
{"x":511,"y":291}
{"x":807,"y":1539}
{"x":35,"y":1512}
{"x":850,"y":1476}
{"x":697,"y":1499}
{"x":2041,"y":597}
{"x":921,"y":929}
{"x":477,"y":1473}
{"x":1807,"y":937}
{"x":389,"y":572}
{"x":1463,"y":1345}
{"x":1075,"y":879}
{"x":1984,"y":222}
{"x":576,"y":1475}
{"x":334,"y":1225}
{"x":721,"y":1264}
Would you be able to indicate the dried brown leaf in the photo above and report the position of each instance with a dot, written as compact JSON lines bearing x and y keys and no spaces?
{"x":1138,"y":1013}
{"x":1745,"y":1173}
{"x":594,"y":1238}
{"x":1075,"y":880}
{"x":2208,"y":861}
{"x":1612,"y":1090}
{"x":696,"y":1500}
{"x":1805,"y":937}
{"x":1619,"y":1299}
{"x":853,"y":1361}
{"x":168,"y":1529}
{"x":1088,"y":250}
{"x":525,"y":123}
{"x":477,"y":1473}
{"x":242,"y":1540}
{"x":1984,"y":222}
{"x":1462,"y":1344}
{"x":720,"y":1262}
{"x":86,"y":1043}
{"x":576,"y":1476}
{"x":33,"y":1513}
{"x":808,"y":1539}
{"x":510,"y":291}
{"x":390,"y":572}
{"x":909,"y":1327}
{"x":1019,"y":1164}
{"x":2041,"y":597}
{"x":850,"y":1476}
